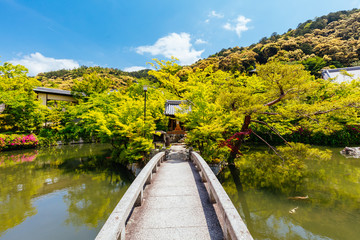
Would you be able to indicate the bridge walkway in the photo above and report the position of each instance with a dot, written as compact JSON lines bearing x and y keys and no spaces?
{"x":176,"y":204}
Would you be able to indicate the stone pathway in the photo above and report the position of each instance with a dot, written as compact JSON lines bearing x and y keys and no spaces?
{"x":176,"y":204}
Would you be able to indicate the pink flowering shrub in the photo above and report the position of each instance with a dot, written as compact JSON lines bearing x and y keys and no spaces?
{"x":15,"y":141}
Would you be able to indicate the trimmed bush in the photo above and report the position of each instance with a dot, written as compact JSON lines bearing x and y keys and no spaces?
{"x":16,"y":141}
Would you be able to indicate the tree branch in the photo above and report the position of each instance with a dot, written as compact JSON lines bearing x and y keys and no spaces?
{"x":269,"y":113}
{"x":272,"y":148}
{"x":275,"y":101}
{"x":331,"y":110}
{"x":273,"y":129}
{"x":323,"y":112}
{"x":282,"y":95}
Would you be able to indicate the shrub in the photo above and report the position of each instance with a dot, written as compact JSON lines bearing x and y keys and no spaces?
{"x":16,"y":141}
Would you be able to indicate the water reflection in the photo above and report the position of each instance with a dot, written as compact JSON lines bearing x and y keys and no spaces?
{"x":87,"y":182}
{"x":331,"y":212}
{"x":11,"y":158}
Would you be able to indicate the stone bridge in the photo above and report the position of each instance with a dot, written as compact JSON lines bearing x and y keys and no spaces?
{"x":175,"y":197}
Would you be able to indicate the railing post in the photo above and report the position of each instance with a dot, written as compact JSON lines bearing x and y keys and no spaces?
{"x":148,"y":180}
{"x":203,"y":178}
{"x":167,"y":151}
{"x":212,"y":198}
{"x":122,"y":234}
{"x":139,"y":198}
{"x":197,"y":167}
{"x":190,"y":150}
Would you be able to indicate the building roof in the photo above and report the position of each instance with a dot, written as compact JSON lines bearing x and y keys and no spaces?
{"x":339,"y":74}
{"x":173,"y":106}
{"x":52,"y":91}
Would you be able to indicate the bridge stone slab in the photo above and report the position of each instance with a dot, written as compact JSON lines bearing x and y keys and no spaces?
{"x":176,"y":204}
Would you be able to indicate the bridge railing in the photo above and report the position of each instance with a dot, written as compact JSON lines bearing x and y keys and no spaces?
{"x":231,"y":222}
{"x":114,"y":227}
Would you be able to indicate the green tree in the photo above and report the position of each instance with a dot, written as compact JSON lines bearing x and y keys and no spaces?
{"x":167,"y":75}
{"x":314,"y":65}
{"x":118,"y":117}
{"x":23,"y":112}
{"x":90,"y":84}
{"x":284,"y":96}
{"x":227,"y":108}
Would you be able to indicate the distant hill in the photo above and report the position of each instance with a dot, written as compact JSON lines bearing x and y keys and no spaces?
{"x":64,"y":79}
{"x":331,"y":41}
{"x":327,"y":41}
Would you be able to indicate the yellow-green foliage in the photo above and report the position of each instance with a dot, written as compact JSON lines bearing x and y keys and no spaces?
{"x":267,"y":170}
{"x":168,"y":77}
{"x":118,"y":117}
{"x":23,"y":112}
{"x":65,"y":79}
{"x":281,"y":96}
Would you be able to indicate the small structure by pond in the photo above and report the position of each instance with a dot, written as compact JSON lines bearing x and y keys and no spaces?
{"x":171,"y":108}
{"x":176,"y":130}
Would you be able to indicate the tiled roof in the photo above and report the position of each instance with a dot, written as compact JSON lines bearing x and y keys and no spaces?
{"x":337,"y":73}
{"x":172,"y":106}
{"x":52,"y":91}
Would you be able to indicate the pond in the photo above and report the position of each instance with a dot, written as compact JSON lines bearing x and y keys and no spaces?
{"x":65,"y":192}
{"x":332,"y":210}
{"x":68,"y":192}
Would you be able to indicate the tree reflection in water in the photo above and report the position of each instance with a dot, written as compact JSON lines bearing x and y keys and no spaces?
{"x":92,"y":183}
{"x":331,"y":212}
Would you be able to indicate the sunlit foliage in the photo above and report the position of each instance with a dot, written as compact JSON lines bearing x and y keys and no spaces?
{"x":22,"y":113}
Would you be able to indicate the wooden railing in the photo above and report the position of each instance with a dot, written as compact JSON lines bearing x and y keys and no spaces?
{"x":114,"y":227}
{"x":231,"y":223}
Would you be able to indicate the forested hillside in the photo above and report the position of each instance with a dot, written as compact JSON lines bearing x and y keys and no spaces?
{"x":327,"y":41}
{"x":64,"y":79}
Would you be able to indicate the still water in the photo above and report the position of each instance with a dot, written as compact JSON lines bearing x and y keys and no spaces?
{"x":332,"y":210}
{"x":58,"y":193}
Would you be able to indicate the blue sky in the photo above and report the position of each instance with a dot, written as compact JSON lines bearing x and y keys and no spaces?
{"x":47,"y":35}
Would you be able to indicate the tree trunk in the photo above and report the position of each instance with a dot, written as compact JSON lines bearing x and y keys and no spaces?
{"x":235,"y":150}
{"x":235,"y":173}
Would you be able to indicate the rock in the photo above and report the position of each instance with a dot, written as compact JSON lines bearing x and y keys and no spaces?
{"x":353,"y":152}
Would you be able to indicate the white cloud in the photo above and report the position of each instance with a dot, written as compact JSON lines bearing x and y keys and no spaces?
{"x":133,"y":69}
{"x":215,"y":15}
{"x":200,"y":41}
{"x":173,"y":45}
{"x":239,"y":25}
{"x":37,"y":63}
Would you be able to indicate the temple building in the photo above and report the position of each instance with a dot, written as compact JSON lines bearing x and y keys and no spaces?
{"x":171,"y":108}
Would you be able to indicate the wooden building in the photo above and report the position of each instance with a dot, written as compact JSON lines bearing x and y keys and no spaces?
{"x":47,"y":94}
{"x":174,"y":126}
